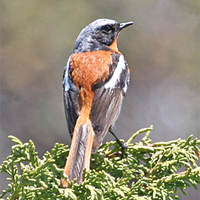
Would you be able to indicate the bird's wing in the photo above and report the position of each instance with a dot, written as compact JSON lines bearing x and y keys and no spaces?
{"x":108,"y":99}
{"x":71,"y":99}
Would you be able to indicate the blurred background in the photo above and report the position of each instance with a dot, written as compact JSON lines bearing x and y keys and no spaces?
{"x":162,"y":49}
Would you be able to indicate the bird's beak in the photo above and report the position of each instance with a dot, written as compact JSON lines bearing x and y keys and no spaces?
{"x":123,"y":25}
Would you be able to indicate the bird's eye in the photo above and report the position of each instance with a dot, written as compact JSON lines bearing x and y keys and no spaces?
{"x":107,"y":29}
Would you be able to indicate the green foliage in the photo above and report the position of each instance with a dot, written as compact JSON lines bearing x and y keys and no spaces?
{"x":146,"y":171}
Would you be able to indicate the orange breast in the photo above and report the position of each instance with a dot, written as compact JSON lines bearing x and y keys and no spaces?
{"x":90,"y":67}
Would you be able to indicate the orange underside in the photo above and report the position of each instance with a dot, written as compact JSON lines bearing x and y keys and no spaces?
{"x":90,"y":67}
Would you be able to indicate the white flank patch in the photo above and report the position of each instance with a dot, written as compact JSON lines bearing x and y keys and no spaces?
{"x":116,"y":75}
{"x":125,"y":88}
{"x":65,"y":79}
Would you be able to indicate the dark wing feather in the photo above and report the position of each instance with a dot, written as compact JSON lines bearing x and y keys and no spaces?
{"x":108,"y":99}
{"x":71,"y":99}
{"x":104,"y":111}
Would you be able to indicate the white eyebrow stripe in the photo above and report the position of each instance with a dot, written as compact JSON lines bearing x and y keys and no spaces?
{"x":117,"y":73}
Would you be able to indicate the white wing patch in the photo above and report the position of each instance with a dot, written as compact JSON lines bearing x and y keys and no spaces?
{"x":116,"y":75}
{"x":65,"y":78}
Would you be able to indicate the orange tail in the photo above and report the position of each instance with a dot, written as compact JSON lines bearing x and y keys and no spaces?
{"x":80,"y":152}
{"x":82,"y":141}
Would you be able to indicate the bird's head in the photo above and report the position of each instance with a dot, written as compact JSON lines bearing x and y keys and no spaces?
{"x":100,"y":34}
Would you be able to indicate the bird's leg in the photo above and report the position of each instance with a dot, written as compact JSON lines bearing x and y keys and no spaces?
{"x":122,"y":144}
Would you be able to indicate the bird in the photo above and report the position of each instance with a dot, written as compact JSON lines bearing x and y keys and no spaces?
{"x":95,"y":82}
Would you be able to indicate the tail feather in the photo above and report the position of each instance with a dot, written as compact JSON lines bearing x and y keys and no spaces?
{"x":80,"y":152}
